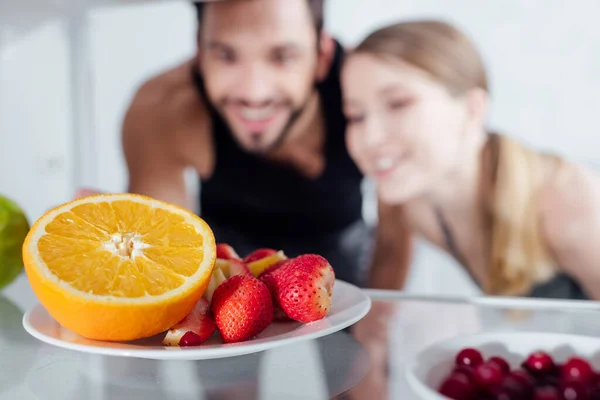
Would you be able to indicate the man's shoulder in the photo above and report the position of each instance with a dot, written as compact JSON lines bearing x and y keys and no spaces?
{"x":168,"y":99}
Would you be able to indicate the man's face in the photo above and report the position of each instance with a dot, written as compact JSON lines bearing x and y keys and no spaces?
{"x":258,"y":59}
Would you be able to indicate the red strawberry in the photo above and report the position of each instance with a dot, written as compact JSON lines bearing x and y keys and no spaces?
{"x":194,"y":329}
{"x":258,"y":254}
{"x":242,"y":307}
{"x":303,"y":287}
{"x":224,"y":269}
{"x":227,"y":252}
{"x":267,"y":277}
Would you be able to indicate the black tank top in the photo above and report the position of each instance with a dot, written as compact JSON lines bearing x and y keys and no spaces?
{"x":259,"y":197}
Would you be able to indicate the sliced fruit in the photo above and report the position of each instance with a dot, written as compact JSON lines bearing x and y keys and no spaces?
{"x":242,"y":308}
{"x":119,"y":267}
{"x":258,"y":266}
{"x":232,"y":267}
{"x":224,"y":269}
{"x":197,"y":327}
{"x":304,"y":287}
{"x":258,"y":254}
{"x":226,"y":252}
{"x":215,"y":280}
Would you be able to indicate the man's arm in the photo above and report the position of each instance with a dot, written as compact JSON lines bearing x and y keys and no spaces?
{"x":393,"y":249}
{"x":151,"y":153}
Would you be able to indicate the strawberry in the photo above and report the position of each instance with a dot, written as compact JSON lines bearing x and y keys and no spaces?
{"x":224,"y":269}
{"x":267,"y":277}
{"x":303,"y":287}
{"x":227,"y":252}
{"x":194,"y":329}
{"x":258,"y":254}
{"x":242,"y":307}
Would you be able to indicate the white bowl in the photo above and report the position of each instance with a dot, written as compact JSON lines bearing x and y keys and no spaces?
{"x":432,"y":365}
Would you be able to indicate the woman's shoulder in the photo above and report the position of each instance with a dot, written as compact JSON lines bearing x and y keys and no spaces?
{"x":569,"y":202}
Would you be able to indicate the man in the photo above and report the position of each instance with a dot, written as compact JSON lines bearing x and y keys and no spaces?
{"x":257,"y":113}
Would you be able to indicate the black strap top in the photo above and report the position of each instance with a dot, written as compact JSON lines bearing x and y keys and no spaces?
{"x":257,"y":196}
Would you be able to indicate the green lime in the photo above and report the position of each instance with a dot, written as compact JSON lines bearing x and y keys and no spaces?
{"x":13,"y":230}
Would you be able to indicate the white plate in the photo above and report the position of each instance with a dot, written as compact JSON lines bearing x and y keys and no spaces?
{"x":349,"y":305}
{"x":427,"y":370}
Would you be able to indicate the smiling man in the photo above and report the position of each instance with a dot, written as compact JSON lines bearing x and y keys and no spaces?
{"x":257,"y":113}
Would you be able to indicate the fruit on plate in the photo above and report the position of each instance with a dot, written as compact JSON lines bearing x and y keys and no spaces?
{"x":13,"y":230}
{"x":119,"y":267}
{"x":216,"y":279}
{"x":194,"y":329}
{"x":225,"y":268}
{"x":232,"y":267}
{"x":261,"y":259}
{"x":259,"y":254}
{"x":267,"y":278}
{"x":226,"y":252}
{"x":303,"y":287}
{"x":242,"y":308}
{"x":539,"y":377}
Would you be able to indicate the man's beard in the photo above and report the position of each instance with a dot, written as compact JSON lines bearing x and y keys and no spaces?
{"x":257,"y":138}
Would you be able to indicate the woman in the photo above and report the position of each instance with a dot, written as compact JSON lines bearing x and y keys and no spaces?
{"x":522,"y":223}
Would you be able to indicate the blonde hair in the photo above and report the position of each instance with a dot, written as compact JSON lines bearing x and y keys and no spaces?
{"x":513,"y":174}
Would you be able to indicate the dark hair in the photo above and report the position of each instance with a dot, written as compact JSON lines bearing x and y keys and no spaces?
{"x":316,"y":10}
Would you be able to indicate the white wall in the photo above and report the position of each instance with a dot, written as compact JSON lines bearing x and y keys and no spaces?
{"x":35,"y":131}
{"x":542,"y":56}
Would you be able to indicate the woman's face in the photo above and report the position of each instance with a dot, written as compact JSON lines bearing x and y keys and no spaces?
{"x":404,"y":129}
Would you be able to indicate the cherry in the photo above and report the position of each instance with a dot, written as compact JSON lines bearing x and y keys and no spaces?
{"x":469,"y":357}
{"x":487,"y":375}
{"x":539,"y":364}
{"x":574,"y":391}
{"x":523,"y":378}
{"x":516,"y":385}
{"x":507,"y":391}
{"x":458,"y":387}
{"x":576,"y":369}
{"x":546,"y":393}
{"x":595,"y":391}
{"x":501,"y":363}
{"x":463,"y":369}
{"x":190,"y":339}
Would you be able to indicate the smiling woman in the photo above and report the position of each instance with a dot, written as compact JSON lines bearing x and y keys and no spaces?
{"x":520,"y":222}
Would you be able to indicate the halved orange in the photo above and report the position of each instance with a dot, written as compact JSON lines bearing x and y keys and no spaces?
{"x":119,"y":267}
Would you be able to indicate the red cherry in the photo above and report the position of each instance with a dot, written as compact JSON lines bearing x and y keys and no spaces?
{"x":190,"y":339}
{"x":539,"y":363}
{"x":487,"y":375}
{"x":574,"y":391}
{"x":546,"y":393}
{"x":501,"y":363}
{"x":595,"y":391}
{"x":576,"y":369}
{"x":463,"y":369}
{"x":514,"y":386}
{"x":458,"y":387}
{"x":469,"y":357}
{"x":522,"y":377}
